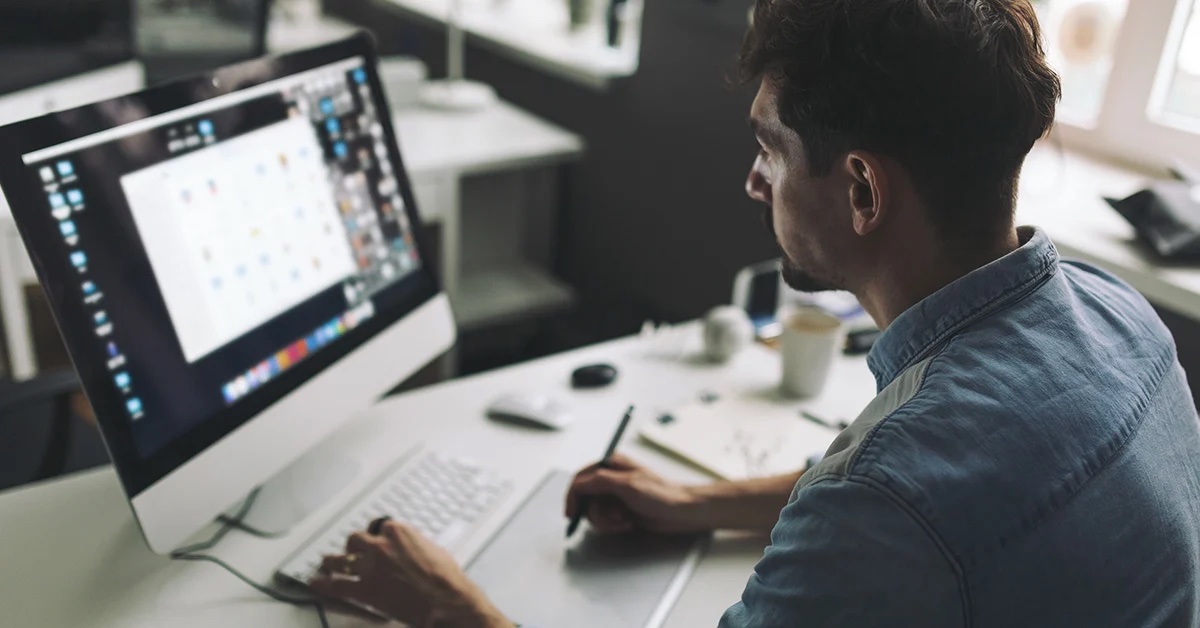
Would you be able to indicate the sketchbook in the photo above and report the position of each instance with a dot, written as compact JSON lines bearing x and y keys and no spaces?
{"x":740,"y":438}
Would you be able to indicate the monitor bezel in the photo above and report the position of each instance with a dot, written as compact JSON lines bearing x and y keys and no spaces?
{"x":137,"y":474}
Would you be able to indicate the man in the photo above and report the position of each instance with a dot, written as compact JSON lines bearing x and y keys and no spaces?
{"x":1033,"y":455}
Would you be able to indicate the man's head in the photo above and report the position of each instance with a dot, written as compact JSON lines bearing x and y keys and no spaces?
{"x":881,"y":120}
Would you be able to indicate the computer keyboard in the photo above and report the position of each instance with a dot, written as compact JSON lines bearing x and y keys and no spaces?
{"x":443,"y":497}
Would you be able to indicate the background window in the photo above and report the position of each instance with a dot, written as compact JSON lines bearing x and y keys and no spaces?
{"x":1080,"y":38}
{"x":1183,"y":96}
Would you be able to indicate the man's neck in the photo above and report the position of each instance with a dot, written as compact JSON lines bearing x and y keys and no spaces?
{"x":897,"y":286}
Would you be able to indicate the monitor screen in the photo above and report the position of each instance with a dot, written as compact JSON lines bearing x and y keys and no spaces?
{"x":48,"y":40}
{"x":207,"y":255}
{"x":180,"y":38}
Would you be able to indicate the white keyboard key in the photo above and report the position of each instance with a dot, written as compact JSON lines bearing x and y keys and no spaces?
{"x":440,"y":496}
{"x":451,"y":533}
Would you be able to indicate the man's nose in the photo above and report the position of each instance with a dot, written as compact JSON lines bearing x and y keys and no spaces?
{"x":757,"y":186}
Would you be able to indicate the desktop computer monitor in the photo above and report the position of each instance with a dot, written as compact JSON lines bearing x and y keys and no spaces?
{"x":55,"y":54}
{"x":175,"y":39}
{"x":234,"y":263}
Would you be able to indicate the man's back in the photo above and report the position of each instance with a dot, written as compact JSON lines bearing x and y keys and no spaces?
{"x":1033,"y":459}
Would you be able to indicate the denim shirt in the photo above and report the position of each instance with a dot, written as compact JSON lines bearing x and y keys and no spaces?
{"x":1032,"y":459}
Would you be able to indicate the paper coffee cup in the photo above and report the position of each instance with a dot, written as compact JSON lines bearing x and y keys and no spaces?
{"x":808,"y":345}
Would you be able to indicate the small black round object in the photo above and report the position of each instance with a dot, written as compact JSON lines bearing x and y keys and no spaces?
{"x":593,"y":376}
{"x":376,"y":526}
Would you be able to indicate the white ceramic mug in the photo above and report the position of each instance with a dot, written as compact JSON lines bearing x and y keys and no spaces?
{"x":808,"y":345}
{"x":727,"y":330}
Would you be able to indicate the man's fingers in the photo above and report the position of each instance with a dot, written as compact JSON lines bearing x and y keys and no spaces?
{"x":623,"y":463}
{"x":609,"y":514}
{"x":573,"y":494}
{"x":343,"y":597}
{"x":611,"y":527}
{"x":620,"y":462}
{"x":335,"y":586}
{"x":571,"y":502}
{"x":340,"y":563}
{"x":399,"y":532}
{"x":404,"y":540}
{"x":605,"y":482}
{"x":360,"y":543}
{"x":585,"y":482}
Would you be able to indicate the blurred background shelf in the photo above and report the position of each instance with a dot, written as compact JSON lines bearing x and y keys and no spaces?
{"x":535,"y":33}
{"x":508,"y":293}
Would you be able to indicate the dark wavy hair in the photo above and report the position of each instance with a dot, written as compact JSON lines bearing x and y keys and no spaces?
{"x":957,"y":91}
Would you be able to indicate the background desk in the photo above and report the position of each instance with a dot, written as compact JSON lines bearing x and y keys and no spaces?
{"x":1063,"y":192}
{"x":72,"y":556}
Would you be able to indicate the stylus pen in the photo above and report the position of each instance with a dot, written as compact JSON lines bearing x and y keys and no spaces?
{"x":605,"y":462}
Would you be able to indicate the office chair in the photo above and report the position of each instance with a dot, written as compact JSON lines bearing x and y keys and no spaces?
{"x":40,"y":436}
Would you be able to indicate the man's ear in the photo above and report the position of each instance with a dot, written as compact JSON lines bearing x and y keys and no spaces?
{"x":869,"y":191}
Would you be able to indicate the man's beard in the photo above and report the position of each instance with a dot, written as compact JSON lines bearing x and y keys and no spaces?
{"x":795,"y":277}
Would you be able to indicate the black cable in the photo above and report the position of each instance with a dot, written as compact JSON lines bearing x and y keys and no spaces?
{"x":269,"y":592}
{"x":220,"y":534}
{"x":242,"y":526}
{"x":189,"y":553}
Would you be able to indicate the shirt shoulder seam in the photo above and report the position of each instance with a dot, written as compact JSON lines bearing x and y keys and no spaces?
{"x":870,"y":437}
{"x":915,"y":516}
{"x":960,"y":575}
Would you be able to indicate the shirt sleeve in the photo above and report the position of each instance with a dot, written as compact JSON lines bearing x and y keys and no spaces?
{"x":844,"y":553}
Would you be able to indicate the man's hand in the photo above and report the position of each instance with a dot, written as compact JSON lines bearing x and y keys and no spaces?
{"x":408,"y":578}
{"x":625,"y":496}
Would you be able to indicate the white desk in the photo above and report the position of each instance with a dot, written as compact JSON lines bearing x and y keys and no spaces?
{"x":70,"y":554}
{"x":439,"y":149}
{"x":1062,"y":193}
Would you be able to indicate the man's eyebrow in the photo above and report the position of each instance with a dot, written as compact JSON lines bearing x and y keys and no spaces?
{"x":764,"y":132}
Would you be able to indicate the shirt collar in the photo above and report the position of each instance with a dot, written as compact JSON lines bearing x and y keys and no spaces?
{"x":925,"y":326}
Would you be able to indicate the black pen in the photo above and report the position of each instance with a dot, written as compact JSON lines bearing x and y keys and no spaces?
{"x":839,"y":425}
{"x":582,"y":507}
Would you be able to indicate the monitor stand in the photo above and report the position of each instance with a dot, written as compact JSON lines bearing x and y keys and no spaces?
{"x":292,"y":494}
